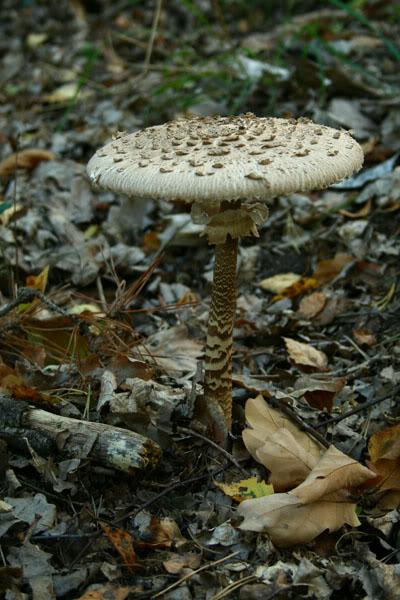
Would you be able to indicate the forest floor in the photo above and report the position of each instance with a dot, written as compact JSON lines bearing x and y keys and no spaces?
{"x":104,"y":305}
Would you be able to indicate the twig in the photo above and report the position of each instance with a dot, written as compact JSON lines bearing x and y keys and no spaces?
{"x":190,"y":575}
{"x":352,"y":342}
{"x":150,"y":46}
{"x":166,"y":491}
{"x":232,"y":587}
{"x":137,"y":510}
{"x":28,"y":294}
{"x":100,"y":290}
{"x":228,"y":456}
{"x":354,"y":411}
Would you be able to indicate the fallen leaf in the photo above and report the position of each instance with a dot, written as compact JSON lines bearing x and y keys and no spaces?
{"x":364,"y":337}
{"x":287,"y":459}
{"x":38,"y":282}
{"x":327,"y":270}
{"x":289,"y":522}
{"x":334,"y":306}
{"x":245,"y":489}
{"x":173,"y":350}
{"x":178,"y":562}
{"x":297,"y":289}
{"x":107,"y":592}
{"x":34,"y":40}
{"x":66,"y":92}
{"x":335,"y":471}
{"x":388,"y":472}
{"x":276,"y":442}
{"x":25,"y":159}
{"x":385,"y":444}
{"x":321,"y":500}
{"x":123,"y":543}
{"x":160,"y":533}
{"x":305,"y":355}
{"x":319,"y":390}
{"x":311,"y":305}
{"x":278,"y":283}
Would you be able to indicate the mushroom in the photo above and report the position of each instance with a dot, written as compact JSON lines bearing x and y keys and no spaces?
{"x":227,"y":168}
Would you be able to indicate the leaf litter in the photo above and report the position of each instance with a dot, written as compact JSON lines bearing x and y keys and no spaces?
{"x":111,"y":485}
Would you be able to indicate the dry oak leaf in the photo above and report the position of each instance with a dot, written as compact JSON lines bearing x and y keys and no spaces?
{"x":388,"y":472}
{"x":25,"y":159}
{"x":276,"y":442}
{"x":334,"y":472}
{"x":305,"y":355}
{"x":289,"y":522}
{"x":384,"y":451}
{"x":385,"y":444}
{"x":320,"y":503}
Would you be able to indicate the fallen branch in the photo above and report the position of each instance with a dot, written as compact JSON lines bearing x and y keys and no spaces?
{"x":110,"y":446}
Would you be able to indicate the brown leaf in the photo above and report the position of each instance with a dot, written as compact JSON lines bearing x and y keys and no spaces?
{"x":388,"y":472}
{"x":321,"y":500}
{"x":384,"y":450}
{"x":364,"y":337}
{"x":334,"y":472}
{"x":289,"y":522}
{"x":311,"y":305}
{"x":25,"y":159}
{"x":107,"y":592}
{"x":178,"y":562}
{"x":286,"y":458}
{"x":385,"y":444}
{"x":327,"y":270}
{"x":320,"y":390}
{"x":123,"y":543}
{"x":276,"y":442}
{"x":297,"y":289}
{"x":165,"y":532}
{"x":305,"y":355}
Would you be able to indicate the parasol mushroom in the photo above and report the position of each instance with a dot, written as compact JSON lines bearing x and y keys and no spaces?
{"x":227,"y":168}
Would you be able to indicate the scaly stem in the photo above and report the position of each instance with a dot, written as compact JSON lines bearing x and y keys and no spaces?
{"x":218,"y":358}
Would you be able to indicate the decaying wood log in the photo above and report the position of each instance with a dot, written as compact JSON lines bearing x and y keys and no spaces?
{"x":108,"y":445}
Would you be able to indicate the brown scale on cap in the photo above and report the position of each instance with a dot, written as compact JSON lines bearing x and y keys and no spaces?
{"x":227,"y":168}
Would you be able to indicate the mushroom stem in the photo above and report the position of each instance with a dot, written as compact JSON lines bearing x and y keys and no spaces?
{"x":218,"y":358}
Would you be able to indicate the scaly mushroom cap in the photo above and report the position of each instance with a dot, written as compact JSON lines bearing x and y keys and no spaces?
{"x":214,"y":159}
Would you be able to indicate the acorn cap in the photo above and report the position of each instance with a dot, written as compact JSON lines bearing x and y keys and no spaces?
{"x":214,"y":159}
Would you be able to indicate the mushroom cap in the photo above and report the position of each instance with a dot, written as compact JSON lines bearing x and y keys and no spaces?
{"x":204,"y":159}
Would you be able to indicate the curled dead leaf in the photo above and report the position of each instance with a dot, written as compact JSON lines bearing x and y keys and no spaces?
{"x":25,"y":159}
